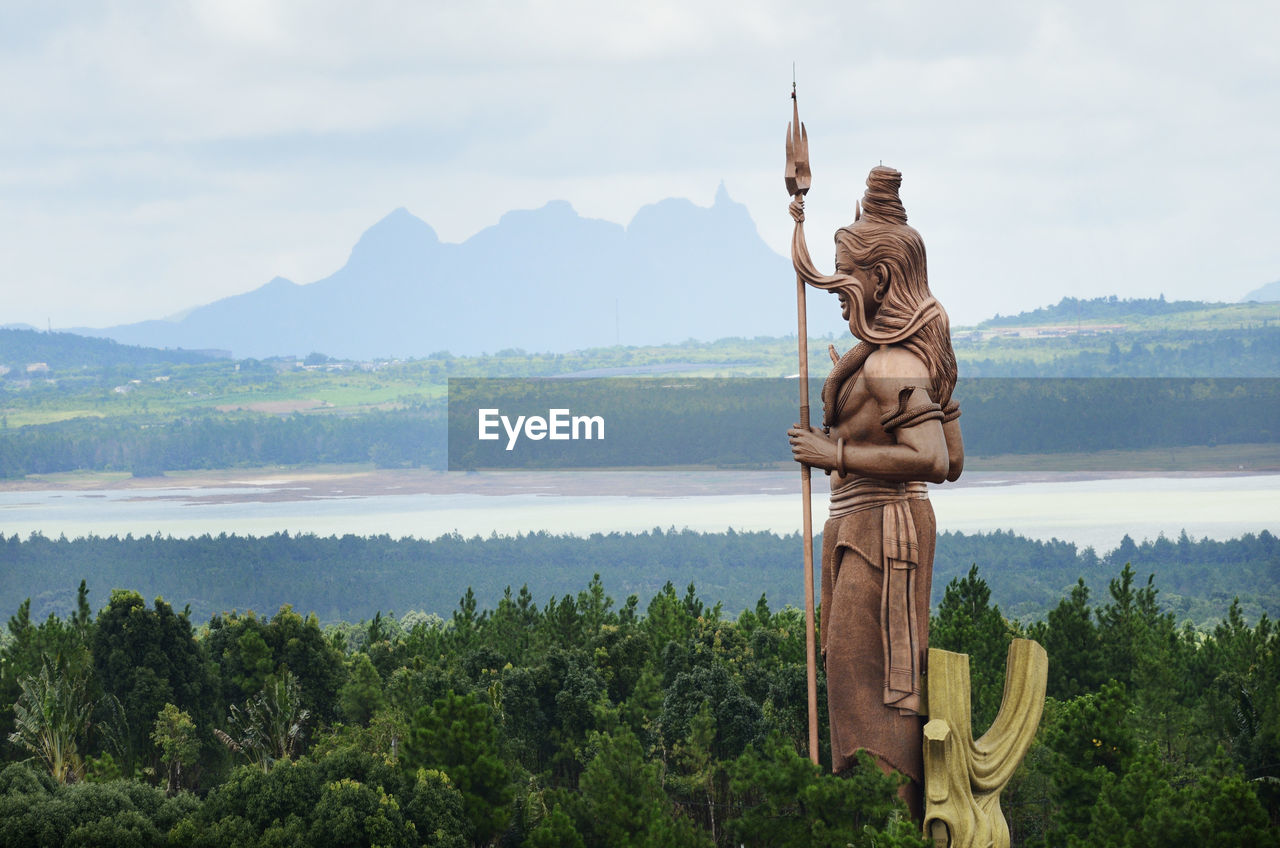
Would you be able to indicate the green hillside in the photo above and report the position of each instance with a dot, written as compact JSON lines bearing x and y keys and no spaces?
{"x":63,"y":411}
{"x":1142,"y":314}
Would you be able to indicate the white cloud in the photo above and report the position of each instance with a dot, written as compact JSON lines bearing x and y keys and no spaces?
{"x":159,"y":155}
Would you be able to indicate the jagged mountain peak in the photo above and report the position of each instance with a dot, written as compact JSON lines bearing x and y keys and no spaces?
{"x":1263,"y":294}
{"x":722,"y":196}
{"x":550,"y":210}
{"x":399,"y":232}
{"x":680,"y":219}
{"x":544,"y":279}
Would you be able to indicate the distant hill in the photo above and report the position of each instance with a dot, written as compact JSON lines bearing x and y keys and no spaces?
{"x":1099,"y":309}
{"x":1113,"y":313}
{"x":353,"y":577}
{"x":539,"y":280}
{"x":68,"y":351}
{"x":1266,"y":294}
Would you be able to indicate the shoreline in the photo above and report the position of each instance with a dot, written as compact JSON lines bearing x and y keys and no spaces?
{"x":345,"y":481}
{"x":1089,"y":509}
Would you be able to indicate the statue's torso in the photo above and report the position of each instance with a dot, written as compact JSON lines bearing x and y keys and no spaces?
{"x":857,"y":421}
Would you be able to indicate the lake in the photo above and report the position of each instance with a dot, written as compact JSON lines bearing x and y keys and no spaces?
{"x":1088,"y":512}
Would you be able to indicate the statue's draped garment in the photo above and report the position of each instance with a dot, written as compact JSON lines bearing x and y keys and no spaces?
{"x":877,"y":569}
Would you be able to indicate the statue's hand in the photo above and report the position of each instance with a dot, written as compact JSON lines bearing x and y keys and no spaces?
{"x":812,"y":447}
{"x":797,"y":209}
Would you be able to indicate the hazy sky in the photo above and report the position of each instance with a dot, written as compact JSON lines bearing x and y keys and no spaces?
{"x":156,"y":156}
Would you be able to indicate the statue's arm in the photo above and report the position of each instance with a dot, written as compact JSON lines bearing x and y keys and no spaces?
{"x":920,"y":450}
{"x":955,"y":449}
{"x":800,"y":258}
{"x":896,"y":378}
{"x":919,"y":453}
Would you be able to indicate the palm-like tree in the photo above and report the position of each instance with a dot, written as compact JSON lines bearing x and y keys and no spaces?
{"x":271,"y":725}
{"x":52,"y":719}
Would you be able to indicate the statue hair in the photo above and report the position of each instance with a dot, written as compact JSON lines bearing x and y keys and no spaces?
{"x":881,"y":236}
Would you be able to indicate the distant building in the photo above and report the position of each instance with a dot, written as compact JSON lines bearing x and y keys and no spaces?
{"x":37,"y":368}
{"x":1039,"y":331}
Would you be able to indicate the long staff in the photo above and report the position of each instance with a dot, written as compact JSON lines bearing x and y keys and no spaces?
{"x":798,"y":178}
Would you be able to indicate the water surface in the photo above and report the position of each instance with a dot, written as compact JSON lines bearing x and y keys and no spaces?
{"x":1088,"y":512}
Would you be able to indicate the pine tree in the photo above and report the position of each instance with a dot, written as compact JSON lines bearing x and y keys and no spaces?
{"x":458,"y":735}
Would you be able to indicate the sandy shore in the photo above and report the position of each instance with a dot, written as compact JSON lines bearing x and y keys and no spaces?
{"x":343,"y":481}
{"x":290,"y":484}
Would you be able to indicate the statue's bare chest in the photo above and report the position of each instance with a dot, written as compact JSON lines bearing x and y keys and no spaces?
{"x":858,"y":416}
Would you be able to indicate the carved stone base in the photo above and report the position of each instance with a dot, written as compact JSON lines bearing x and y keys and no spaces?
{"x":963,"y":778}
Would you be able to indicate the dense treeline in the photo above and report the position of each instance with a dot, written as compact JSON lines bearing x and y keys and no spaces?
{"x":726,"y":423}
{"x":1163,"y":353}
{"x":580,"y":721}
{"x":1151,"y":732}
{"x":738,"y":422}
{"x":410,"y":437}
{"x":737,"y":425}
{"x":351,"y":577}
{"x":1107,"y":308}
{"x":1200,"y":578}
{"x":1054,"y":416}
{"x":719,"y":422}
{"x":69,"y":352}
{"x":104,"y":406}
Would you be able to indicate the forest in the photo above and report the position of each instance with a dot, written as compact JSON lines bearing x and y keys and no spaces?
{"x":19,"y":347}
{"x":350,"y":578}
{"x":1111,"y":308}
{"x":69,"y":403}
{"x":413,"y":436}
{"x":579,"y":721}
{"x":697,"y":422}
{"x":291,"y":690}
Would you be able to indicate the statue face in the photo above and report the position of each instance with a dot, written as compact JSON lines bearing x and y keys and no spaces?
{"x":867,"y":286}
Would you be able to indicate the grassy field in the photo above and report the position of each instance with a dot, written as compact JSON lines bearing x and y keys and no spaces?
{"x":163,"y":390}
{"x":219,"y":385}
{"x":1214,"y":316}
{"x":1234,"y":316}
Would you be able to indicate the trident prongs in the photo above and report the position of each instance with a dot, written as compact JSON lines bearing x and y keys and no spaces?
{"x":797,"y":174}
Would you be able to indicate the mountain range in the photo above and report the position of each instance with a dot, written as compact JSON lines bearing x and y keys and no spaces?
{"x":1263,"y":294}
{"x":542,"y":280}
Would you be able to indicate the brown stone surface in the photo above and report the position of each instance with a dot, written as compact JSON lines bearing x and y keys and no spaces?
{"x":889,"y":425}
{"x":852,"y":582}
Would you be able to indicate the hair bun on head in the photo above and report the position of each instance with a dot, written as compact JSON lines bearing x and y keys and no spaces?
{"x":881,"y":202}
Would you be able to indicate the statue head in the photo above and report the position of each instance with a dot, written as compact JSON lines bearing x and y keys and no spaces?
{"x":882,"y":258}
{"x":885,"y":281}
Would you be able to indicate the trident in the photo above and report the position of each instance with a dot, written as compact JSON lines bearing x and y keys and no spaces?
{"x":798,"y":178}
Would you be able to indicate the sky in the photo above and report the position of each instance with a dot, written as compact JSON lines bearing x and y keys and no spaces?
{"x":158,"y":156}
